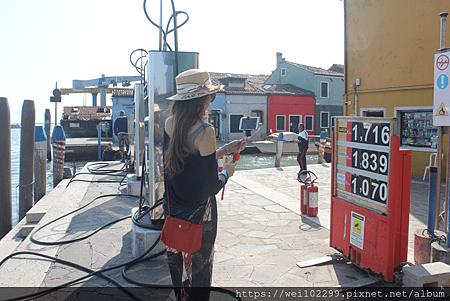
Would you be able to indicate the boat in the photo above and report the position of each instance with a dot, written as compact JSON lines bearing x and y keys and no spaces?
{"x":15,"y":125}
{"x":326,"y":152}
{"x":290,"y":147}
{"x":81,"y":129}
{"x":82,"y":122}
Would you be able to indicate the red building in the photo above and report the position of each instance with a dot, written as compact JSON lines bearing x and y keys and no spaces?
{"x":289,"y":107}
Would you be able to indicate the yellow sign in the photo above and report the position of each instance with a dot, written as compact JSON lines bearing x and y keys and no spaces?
{"x":357,"y":226}
{"x":442,"y":111}
{"x":357,"y":233}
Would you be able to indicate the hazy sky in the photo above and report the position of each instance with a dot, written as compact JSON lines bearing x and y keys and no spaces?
{"x":49,"y":41}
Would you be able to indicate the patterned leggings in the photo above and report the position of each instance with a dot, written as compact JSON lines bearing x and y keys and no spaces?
{"x":190,"y":272}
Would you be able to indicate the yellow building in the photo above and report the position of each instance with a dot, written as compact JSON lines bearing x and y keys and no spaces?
{"x":389,"y":67}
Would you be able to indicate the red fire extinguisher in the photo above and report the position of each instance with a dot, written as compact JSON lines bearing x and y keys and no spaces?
{"x":309,"y":194}
{"x":303,"y":198}
{"x":313,"y":200}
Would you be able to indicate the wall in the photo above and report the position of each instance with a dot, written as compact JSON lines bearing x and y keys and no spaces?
{"x":219,"y":104}
{"x":289,"y":105}
{"x":244,"y":104}
{"x":390,"y":47}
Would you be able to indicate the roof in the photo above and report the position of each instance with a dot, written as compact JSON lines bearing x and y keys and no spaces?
{"x":337,"y":67}
{"x":317,"y":71}
{"x":255,"y":85}
{"x":288,"y":89}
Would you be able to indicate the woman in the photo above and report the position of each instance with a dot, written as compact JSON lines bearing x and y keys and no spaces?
{"x":193,"y":179}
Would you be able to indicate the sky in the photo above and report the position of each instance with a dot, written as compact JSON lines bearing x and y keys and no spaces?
{"x":49,"y":42}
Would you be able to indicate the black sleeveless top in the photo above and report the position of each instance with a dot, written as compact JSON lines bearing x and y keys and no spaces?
{"x":189,"y":190}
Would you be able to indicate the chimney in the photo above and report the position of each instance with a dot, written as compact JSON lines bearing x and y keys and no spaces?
{"x":279,"y":58}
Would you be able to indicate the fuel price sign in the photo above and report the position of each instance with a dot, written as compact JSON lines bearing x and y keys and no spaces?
{"x":362,"y":169}
{"x":371,"y":184}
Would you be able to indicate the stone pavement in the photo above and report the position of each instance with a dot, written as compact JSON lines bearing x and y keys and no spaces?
{"x":261,"y":237}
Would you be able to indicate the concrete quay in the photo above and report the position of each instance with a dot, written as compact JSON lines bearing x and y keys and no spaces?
{"x":261,"y":236}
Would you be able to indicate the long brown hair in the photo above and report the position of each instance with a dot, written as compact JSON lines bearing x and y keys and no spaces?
{"x":185,"y":114}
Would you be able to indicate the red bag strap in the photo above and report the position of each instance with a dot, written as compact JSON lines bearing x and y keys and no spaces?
{"x":167,"y":192}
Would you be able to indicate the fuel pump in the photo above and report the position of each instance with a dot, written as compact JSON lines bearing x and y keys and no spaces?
{"x":309,"y":194}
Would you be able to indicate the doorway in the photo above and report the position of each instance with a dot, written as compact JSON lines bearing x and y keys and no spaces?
{"x":294,"y":121}
{"x":214,"y":119}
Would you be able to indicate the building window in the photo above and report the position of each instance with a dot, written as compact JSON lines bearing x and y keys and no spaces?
{"x":281,"y":123}
{"x":324,"y":120}
{"x":283,"y":71}
{"x":235,"y":119}
{"x":258,"y":113}
{"x":418,"y":129}
{"x":309,"y":123}
{"x":324,"y":91}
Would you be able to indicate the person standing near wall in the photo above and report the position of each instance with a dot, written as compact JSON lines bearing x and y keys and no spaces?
{"x":121,"y":131}
{"x":303,"y":145}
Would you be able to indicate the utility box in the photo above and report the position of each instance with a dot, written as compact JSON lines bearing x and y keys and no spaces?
{"x":370,"y":195}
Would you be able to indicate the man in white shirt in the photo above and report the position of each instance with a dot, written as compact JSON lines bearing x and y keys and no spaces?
{"x":303,"y":145}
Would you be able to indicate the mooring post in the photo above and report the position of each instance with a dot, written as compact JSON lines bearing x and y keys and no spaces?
{"x":99,"y":134}
{"x":26,"y":157}
{"x":59,"y":153}
{"x":47,"y":132}
{"x":40,"y":163}
{"x":279,"y":150}
{"x":323,"y":142}
{"x":5,"y":168}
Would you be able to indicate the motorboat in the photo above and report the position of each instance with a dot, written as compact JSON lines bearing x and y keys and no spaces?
{"x":290,"y":147}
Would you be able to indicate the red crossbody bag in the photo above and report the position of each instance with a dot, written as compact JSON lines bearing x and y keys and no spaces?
{"x":181,"y":235}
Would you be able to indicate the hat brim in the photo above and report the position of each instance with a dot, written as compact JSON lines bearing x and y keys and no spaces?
{"x":196,"y":94}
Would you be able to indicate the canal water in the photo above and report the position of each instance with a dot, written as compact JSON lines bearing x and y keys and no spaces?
{"x":254,"y":161}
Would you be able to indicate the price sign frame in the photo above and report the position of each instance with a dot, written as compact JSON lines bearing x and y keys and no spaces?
{"x":370,"y":193}
{"x":362,"y":151}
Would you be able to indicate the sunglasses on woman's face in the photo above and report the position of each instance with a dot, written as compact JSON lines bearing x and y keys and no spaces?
{"x":213,"y":96}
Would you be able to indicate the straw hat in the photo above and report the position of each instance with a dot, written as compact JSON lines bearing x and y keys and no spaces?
{"x":192,"y":84}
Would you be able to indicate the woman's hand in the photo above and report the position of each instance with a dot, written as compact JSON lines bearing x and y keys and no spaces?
{"x":229,"y":168}
{"x":236,"y":145}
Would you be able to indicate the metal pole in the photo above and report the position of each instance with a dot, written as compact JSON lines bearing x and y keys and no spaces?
{"x":47,"y":132}
{"x":443,"y":19}
{"x":103,"y":91}
{"x":99,"y":134}
{"x":160,"y":25}
{"x":5,"y":168}
{"x":27,"y":133}
{"x":40,"y":163}
{"x":447,"y":172}
{"x":439,"y":172}
{"x":432,"y":199}
{"x":440,"y":134}
{"x":279,"y":150}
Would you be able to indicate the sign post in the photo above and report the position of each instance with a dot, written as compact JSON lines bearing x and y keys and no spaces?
{"x":441,"y":117}
{"x":371,"y":182}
